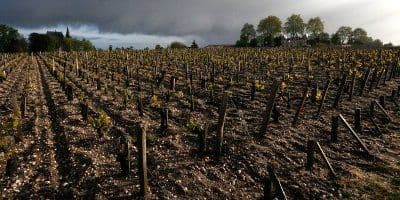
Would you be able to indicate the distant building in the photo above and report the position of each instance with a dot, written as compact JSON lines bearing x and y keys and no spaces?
{"x":57,"y":37}
{"x":55,"y":34}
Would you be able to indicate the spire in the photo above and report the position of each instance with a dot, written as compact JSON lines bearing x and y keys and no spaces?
{"x":67,"y":34}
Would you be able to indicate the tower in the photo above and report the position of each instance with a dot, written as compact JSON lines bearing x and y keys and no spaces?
{"x":67,"y":35}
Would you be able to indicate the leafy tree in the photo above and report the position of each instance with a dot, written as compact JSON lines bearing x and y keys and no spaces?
{"x":319,"y":40}
{"x":315,"y":27}
{"x":177,"y":45}
{"x":18,"y":45}
{"x":377,"y":43}
{"x":335,"y":39}
{"x":72,"y":44}
{"x":278,"y":41}
{"x":194,"y":45}
{"x":158,"y":47}
{"x":253,"y":42}
{"x":388,"y":44}
{"x":11,"y":40}
{"x":241,"y":43}
{"x":294,"y":26}
{"x":269,"y":28}
{"x":359,"y":37}
{"x":247,"y":33}
{"x":40,"y":42}
{"x":86,"y":45}
{"x":344,"y":33}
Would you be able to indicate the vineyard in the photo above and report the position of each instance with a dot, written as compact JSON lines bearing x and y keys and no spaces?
{"x":229,"y":123}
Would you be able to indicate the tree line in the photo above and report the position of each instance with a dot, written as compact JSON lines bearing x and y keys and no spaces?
{"x":12,"y":42}
{"x":271,"y":33}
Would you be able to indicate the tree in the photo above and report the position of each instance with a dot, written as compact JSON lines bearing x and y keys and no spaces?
{"x":177,"y":45}
{"x":359,"y":37}
{"x":194,"y":45}
{"x":39,"y":42}
{"x":86,"y":45}
{"x":269,"y":28}
{"x":158,"y":47}
{"x":294,"y":26}
{"x":18,"y":45}
{"x":335,"y":39}
{"x":247,"y":33}
{"x":344,"y":33}
{"x":315,"y":27}
{"x":388,"y":45}
{"x":377,"y":43}
{"x":11,"y":40}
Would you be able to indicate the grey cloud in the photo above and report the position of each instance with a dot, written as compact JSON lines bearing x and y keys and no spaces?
{"x":212,"y":20}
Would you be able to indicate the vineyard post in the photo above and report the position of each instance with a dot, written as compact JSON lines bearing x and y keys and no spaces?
{"x":140,"y":101}
{"x":202,"y":137}
{"x":373,"y":79}
{"x":164,"y":118}
{"x":382,"y":101}
{"x":276,"y":113}
{"x":298,"y":112}
{"x":310,"y":154}
{"x":270,"y":104}
{"x":371,"y":108}
{"x":355,"y":135}
{"x":172,"y":83}
{"x":328,"y":83}
{"x":314,"y":93}
{"x":364,"y":82}
{"x":353,"y":79}
{"x":220,"y":125}
{"x":141,"y":131}
{"x":340,"y":91}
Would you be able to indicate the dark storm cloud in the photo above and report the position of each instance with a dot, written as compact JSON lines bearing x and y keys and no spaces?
{"x":212,"y":20}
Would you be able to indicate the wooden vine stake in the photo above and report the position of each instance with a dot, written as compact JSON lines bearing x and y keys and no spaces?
{"x":357,"y":120}
{"x":273,"y":185}
{"x":332,"y":172}
{"x":384,"y":111}
{"x":328,"y":83}
{"x":340,"y":91}
{"x":310,"y":154}
{"x":84,"y":109}
{"x":313,"y":146}
{"x":270,"y":105}
{"x":335,"y":128}
{"x":355,"y":135}
{"x":202,"y":137}
{"x":353,"y":80}
{"x":298,"y":112}
{"x":141,"y":133}
{"x":221,"y":123}
{"x":124,"y":155}
{"x":382,"y":101}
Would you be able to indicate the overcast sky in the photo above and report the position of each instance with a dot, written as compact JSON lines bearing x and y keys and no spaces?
{"x":149,"y":22}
